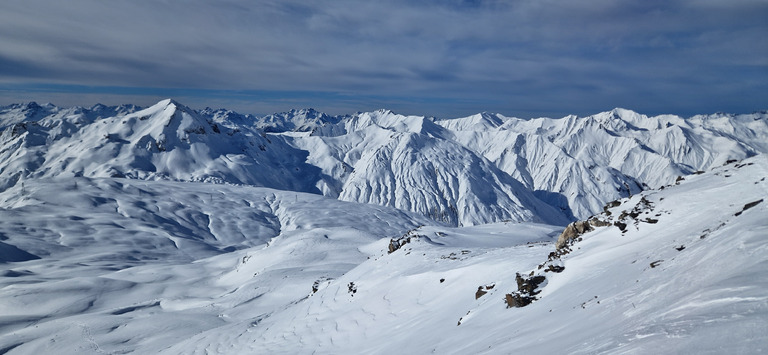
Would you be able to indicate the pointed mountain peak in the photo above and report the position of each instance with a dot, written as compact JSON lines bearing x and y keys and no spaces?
{"x":32,"y":105}
{"x":98,"y":107}
{"x":170,"y":115}
{"x":623,"y":113}
{"x":167,"y":102}
{"x":170,"y":106}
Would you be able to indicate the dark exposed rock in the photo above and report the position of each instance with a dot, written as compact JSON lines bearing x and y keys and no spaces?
{"x":529,"y":285}
{"x":611,"y":204}
{"x":397,"y":243}
{"x":631,"y":216}
{"x":482,"y":290}
{"x":748,"y":206}
{"x":517,"y":300}
{"x":554,"y":268}
{"x":527,"y":289}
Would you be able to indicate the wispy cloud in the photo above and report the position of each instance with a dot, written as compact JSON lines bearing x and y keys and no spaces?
{"x":548,"y":57}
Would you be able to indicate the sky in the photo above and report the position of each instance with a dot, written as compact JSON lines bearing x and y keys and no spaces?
{"x":524,"y":58}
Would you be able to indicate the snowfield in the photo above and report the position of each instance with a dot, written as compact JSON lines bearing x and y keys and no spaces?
{"x":167,"y":230}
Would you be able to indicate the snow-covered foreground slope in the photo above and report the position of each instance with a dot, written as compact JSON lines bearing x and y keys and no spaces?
{"x":176,"y":267}
{"x":688,"y":275}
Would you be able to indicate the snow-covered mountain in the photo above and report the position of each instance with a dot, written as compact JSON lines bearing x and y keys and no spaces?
{"x":167,"y":141}
{"x":170,"y":230}
{"x":596,"y":159}
{"x":464,"y":171}
{"x":112,"y":265}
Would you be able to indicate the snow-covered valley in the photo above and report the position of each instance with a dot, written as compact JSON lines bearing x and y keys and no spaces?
{"x":170,"y":230}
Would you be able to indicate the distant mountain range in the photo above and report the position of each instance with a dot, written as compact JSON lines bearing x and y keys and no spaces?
{"x":461,"y":171}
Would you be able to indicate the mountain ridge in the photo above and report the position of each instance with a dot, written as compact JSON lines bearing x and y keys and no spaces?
{"x":574,"y":164}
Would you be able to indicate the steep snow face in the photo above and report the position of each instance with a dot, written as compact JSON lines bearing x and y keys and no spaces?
{"x":410,"y":163}
{"x":480,"y":122}
{"x":681,"y":273}
{"x":592,"y":160}
{"x":442,"y":180}
{"x":165,"y":141}
{"x":575,"y":164}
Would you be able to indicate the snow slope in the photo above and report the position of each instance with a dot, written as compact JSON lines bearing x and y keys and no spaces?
{"x":125,"y":265}
{"x":406,"y":162}
{"x":191,"y":267}
{"x":591,"y":160}
{"x":693,"y":282}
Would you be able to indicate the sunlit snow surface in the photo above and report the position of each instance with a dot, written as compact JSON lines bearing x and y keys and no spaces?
{"x":466,"y":171}
{"x":181,"y":267}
